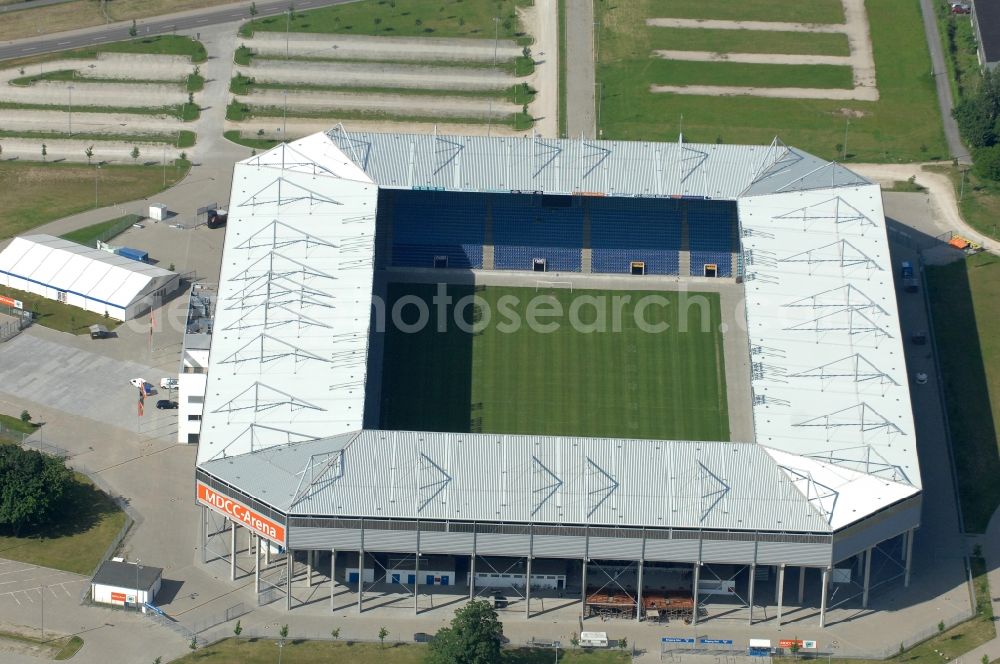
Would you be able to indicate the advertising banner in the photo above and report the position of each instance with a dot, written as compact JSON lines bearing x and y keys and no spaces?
{"x":241,"y":514}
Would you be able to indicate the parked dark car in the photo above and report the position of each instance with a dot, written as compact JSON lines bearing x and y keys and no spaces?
{"x":166,"y":404}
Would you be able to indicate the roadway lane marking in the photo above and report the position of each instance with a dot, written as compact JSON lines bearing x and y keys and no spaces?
{"x":62,"y":43}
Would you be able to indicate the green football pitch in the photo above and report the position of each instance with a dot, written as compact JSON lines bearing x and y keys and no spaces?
{"x":630,"y":380}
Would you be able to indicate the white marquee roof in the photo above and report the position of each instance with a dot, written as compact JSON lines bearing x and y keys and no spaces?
{"x":67,"y":266}
{"x":833,"y":427}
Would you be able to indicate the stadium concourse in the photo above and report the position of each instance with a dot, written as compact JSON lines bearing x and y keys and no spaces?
{"x":291,"y":460}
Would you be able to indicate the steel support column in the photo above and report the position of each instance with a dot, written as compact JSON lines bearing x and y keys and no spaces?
{"x":868,"y":578}
{"x":527,"y":591}
{"x":361,"y":568}
{"x":310,"y":556}
{"x":256,"y":564}
{"x":289,"y":567}
{"x":802,"y":584}
{"x":232,"y":550}
{"x":204,"y":534}
{"x":694,"y":591}
{"x":416,"y":575}
{"x":333,"y":575}
{"x":583,"y":582}
{"x":822,"y":599}
{"x":642,"y":561}
{"x":750,"y":584}
{"x":909,"y":557}
{"x":250,"y":545}
{"x":780,"y":589}
{"x":472,"y":567}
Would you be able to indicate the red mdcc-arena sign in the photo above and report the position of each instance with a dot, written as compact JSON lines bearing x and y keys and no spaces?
{"x":241,"y":514}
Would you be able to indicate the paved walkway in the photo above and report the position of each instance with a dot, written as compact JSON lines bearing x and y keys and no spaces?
{"x":581,"y":116}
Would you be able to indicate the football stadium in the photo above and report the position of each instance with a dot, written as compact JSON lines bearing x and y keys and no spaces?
{"x":665,"y":380}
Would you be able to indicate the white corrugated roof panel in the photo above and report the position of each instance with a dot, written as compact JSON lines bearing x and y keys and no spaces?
{"x":830,"y":376}
{"x":834,"y":438}
{"x":290,"y":336}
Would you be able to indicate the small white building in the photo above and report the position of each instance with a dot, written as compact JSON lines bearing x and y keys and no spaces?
{"x":126,"y":584}
{"x":84,"y":277}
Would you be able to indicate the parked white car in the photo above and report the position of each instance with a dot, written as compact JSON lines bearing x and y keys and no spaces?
{"x":137,"y":382}
{"x":168,"y":383}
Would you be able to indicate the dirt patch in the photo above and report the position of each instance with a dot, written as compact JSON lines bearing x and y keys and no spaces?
{"x":57,"y":93}
{"x":89,"y":123}
{"x":358,"y":74}
{"x":850,"y":113}
{"x":408,"y":105}
{"x":859,"y":94}
{"x":361,"y":47}
{"x":299,"y":127}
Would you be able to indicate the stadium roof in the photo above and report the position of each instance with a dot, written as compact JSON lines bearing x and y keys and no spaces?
{"x":565,"y":166}
{"x":74,"y":268}
{"x":834,"y":433}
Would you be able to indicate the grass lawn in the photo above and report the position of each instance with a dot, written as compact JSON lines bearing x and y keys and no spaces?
{"x":15,"y":423}
{"x":406,"y":18}
{"x":521,"y":93}
{"x":627,"y":383}
{"x":186,"y":138}
{"x":255,"y":143}
{"x":103,"y":231}
{"x":965,"y":299}
{"x":238,"y":112}
{"x":32,"y":193}
{"x":48,"y":647}
{"x":814,"y":11}
{"x":679,"y":72}
{"x":58,"y":316}
{"x":186,"y":112}
{"x":749,"y":41}
{"x":260,"y":651}
{"x":76,"y":544}
{"x":960,"y":49}
{"x":903,"y":126}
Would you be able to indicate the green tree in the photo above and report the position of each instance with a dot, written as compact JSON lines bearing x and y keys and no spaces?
{"x":253,"y":11}
{"x":32,"y":485}
{"x":135,"y":153}
{"x":382,"y":633}
{"x":89,"y":152}
{"x":45,"y":152}
{"x":25,"y":416}
{"x":193,"y":644}
{"x":986,"y":162}
{"x":474,"y":637}
{"x":237,"y":631}
{"x":335,"y":633}
{"x":623,"y":643}
{"x":133,"y":30}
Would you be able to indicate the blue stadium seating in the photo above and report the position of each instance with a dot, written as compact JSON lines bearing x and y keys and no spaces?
{"x":433,"y":223}
{"x":526,"y":227}
{"x":623,"y":230}
{"x":712,"y":236}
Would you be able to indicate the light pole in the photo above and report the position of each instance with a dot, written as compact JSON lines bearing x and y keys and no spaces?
{"x":288,"y":23}
{"x":70,"y":90}
{"x":496,"y":39}
{"x":284,"y":118}
{"x":846,"y":127}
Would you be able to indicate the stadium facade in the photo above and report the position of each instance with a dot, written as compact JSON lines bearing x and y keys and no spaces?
{"x":290,"y":449}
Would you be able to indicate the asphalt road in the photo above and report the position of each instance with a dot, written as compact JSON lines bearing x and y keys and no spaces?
{"x":940,"y":72}
{"x":152,"y":26}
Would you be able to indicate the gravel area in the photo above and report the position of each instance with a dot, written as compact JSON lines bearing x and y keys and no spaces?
{"x":359,"y":74}
{"x":859,"y":94}
{"x":57,"y":93}
{"x":413,"y":105}
{"x":362,"y":47}
{"x":91,"y":123}
{"x":112,"y":65}
{"x":299,"y":127}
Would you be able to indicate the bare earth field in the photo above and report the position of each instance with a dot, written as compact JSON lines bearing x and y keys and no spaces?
{"x":413,"y":105}
{"x":362,"y":47}
{"x":377,"y":75}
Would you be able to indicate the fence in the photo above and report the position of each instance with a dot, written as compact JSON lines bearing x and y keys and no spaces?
{"x":12,"y":321}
